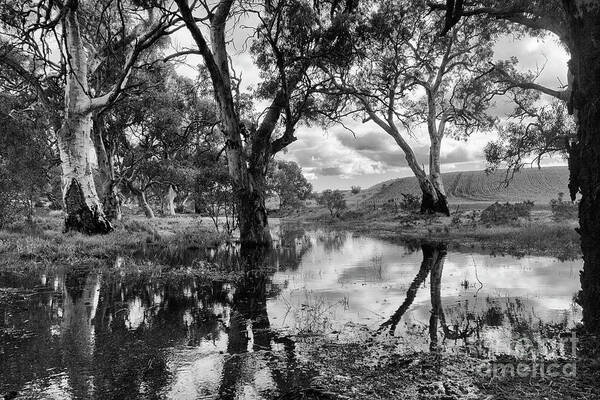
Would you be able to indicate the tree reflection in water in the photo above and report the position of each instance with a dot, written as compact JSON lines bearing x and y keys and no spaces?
{"x":249,"y":331}
{"x":513,"y":319}
{"x":332,"y":241}
{"x":170,"y":333}
{"x":107,"y":335}
{"x":432,"y":256}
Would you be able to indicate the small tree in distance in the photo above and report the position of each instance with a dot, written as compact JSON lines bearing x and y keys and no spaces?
{"x":333,"y":200}
{"x":286,"y":179}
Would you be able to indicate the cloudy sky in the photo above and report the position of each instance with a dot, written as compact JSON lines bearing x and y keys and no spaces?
{"x":337,"y":159}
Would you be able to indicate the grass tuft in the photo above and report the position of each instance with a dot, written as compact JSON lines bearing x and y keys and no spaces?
{"x":44,"y":242}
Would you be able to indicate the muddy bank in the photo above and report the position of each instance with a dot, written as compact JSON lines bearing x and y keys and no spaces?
{"x":359,"y":370}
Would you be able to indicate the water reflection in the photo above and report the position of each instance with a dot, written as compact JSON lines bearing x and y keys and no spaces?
{"x":484,"y":325}
{"x":250,"y":331}
{"x":107,"y":335}
{"x":80,"y":333}
{"x":433,"y":258}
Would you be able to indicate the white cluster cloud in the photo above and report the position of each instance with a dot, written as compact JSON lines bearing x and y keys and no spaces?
{"x":337,"y":158}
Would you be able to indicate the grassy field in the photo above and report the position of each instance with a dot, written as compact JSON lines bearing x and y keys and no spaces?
{"x":43,"y":241}
{"x":475,"y":188}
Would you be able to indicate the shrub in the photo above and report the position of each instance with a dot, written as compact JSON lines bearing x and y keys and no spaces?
{"x":390,"y":205}
{"x":456,"y":219}
{"x":355,"y":189}
{"x":31,"y":228}
{"x":498,"y":214}
{"x":410,"y":202}
{"x":11,"y":208}
{"x":333,"y":200}
{"x":353,"y":214}
{"x":562,"y":210}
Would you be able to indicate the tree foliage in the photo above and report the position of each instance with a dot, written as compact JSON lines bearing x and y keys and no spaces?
{"x":407,"y":79}
{"x":333,"y":200}
{"x":536,"y":132}
{"x":28,"y":161}
{"x":286,"y":179}
{"x":160,"y":133}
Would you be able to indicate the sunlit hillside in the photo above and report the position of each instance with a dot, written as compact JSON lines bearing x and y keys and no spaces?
{"x":538,"y":185}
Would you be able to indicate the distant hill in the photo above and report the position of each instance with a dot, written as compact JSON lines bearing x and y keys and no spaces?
{"x":469,"y":187}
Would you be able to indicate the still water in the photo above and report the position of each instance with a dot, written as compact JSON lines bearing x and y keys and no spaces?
{"x":81,"y":333}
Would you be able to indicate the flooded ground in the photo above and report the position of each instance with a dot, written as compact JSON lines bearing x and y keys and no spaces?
{"x":77,"y":333}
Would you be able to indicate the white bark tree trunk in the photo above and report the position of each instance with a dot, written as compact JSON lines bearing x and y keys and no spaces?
{"x":253,"y":222}
{"x":111,"y":201}
{"x":435,"y":174}
{"x":434,"y":167}
{"x":433,"y":200}
{"x":184,"y":201}
{"x":143,"y":202}
{"x":82,"y":205}
{"x":438,"y":202}
{"x":171,"y":201}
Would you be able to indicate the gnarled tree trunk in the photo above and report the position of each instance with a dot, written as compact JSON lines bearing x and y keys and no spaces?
{"x":438,"y":203}
{"x":249,"y":185}
{"x":140,"y":194}
{"x":585,"y":167}
{"x":82,"y":205}
{"x":252,"y":213}
{"x":111,"y":201}
{"x":246,"y":177}
{"x":143,"y":203}
{"x":434,"y":199}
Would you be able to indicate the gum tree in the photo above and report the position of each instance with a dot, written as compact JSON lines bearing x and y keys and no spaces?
{"x":67,"y":43}
{"x":294,"y":34}
{"x":404,"y":77}
{"x":286,"y":179}
{"x":154,"y":134}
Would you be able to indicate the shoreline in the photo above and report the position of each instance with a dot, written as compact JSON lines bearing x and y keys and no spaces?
{"x":535,"y":237}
